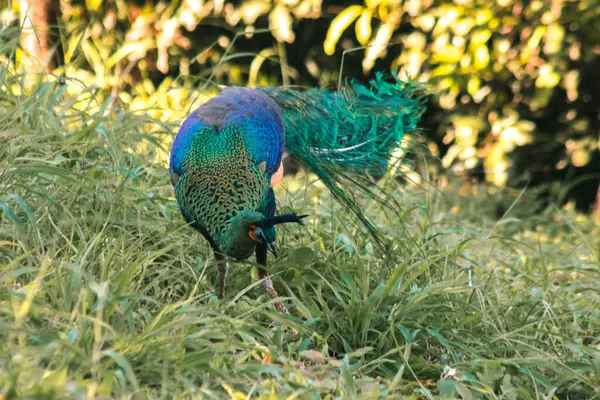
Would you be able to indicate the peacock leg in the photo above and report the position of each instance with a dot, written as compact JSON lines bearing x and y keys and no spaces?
{"x":223,"y":267}
{"x":267,"y":283}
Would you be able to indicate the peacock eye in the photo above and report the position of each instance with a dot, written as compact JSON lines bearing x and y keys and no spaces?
{"x":251,"y":233}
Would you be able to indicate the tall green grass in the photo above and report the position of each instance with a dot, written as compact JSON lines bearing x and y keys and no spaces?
{"x":105,"y":293}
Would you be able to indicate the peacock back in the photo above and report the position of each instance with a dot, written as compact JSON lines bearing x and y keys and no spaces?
{"x":223,"y":159}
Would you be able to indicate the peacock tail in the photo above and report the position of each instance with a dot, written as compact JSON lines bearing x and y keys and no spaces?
{"x":354,"y":129}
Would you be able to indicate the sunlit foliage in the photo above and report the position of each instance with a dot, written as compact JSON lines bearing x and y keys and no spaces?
{"x":510,"y":77}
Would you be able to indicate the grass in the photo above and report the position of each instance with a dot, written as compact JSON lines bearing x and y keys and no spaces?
{"x":105,"y":293}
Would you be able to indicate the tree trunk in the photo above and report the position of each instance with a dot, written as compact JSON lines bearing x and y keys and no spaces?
{"x":39,"y":19}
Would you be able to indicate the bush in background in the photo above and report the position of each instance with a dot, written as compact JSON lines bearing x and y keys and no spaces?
{"x":515,"y":97}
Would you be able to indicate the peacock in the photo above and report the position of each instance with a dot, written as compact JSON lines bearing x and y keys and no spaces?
{"x":227,"y":158}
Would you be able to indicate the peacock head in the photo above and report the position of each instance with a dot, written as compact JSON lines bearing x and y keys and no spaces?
{"x":249,"y":228}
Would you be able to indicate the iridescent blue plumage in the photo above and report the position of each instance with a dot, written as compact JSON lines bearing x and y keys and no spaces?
{"x":228,"y":154}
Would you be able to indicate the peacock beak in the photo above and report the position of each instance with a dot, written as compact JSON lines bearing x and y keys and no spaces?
{"x":259,"y":236}
{"x":272,"y":248}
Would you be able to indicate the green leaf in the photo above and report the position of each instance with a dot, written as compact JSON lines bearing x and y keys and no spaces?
{"x":139,"y":47}
{"x":125,"y":366}
{"x":302,"y":255}
{"x":463,"y":391}
{"x":446,"y":388}
{"x":493,"y":371}
{"x":24,"y":206}
{"x":482,"y":57}
{"x":442,"y":341}
{"x":10,"y":214}
{"x":363,"y":27}
{"x":280,"y":23}
{"x":339,"y":24}
{"x":93,"y":5}
{"x":481,"y":36}
{"x":473,"y":86}
{"x":359,"y":352}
